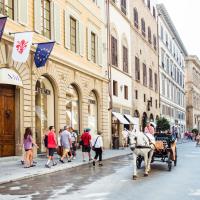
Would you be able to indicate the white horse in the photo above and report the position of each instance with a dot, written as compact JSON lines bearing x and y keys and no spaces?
{"x":142,"y":144}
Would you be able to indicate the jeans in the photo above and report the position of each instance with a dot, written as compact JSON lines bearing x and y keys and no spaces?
{"x":98,"y":153}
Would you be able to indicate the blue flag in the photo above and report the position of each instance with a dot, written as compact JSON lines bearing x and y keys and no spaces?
{"x":2,"y":25}
{"x":42,"y":53}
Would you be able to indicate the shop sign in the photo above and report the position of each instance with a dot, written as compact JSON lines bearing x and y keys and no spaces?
{"x":43,"y":91}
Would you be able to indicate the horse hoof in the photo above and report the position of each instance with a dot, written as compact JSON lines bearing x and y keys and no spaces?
{"x":134,"y":177}
{"x":145,"y":174}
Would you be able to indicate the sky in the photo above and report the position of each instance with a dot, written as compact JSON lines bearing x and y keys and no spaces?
{"x":185,"y":15}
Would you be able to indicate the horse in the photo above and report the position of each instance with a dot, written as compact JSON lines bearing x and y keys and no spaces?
{"x":142,"y":144}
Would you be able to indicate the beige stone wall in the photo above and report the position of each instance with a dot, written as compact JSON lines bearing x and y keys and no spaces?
{"x":62,"y":69}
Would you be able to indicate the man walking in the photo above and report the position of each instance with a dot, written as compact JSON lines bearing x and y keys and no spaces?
{"x":65,"y":140}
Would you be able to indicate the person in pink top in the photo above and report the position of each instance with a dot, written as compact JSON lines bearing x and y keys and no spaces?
{"x":149,"y":129}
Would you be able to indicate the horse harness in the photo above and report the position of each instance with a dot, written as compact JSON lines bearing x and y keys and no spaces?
{"x":146,"y":147}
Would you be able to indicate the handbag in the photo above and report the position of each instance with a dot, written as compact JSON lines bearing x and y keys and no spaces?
{"x":93,"y":147}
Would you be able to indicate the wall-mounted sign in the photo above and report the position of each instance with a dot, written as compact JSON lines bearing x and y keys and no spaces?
{"x":43,"y":91}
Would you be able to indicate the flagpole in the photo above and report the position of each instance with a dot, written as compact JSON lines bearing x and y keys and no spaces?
{"x":20,"y":32}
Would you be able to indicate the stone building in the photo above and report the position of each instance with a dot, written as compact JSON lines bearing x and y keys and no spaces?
{"x":192,"y":87}
{"x":144,"y":61}
{"x":172,"y":71}
{"x":71,"y":89}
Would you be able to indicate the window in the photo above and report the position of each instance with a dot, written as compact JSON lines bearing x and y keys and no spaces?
{"x":143,"y":27}
{"x":154,"y":42}
{"x":7,"y":8}
{"x":156,"y":82}
{"x":136,"y":94}
{"x":135,"y":17}
{"x":125,"y":59}
{"x":149,"y":4}
{"x":123,"y":6}
{"x":72,"y":34}
{"x":144,"y":75}
{"x":115,"y":88}
{"x":93,"y":47}
{"x":144,"y":97}
{"x":114,"y":51}
{"x":154,"y":12}
{"x":46,"y":27}
{"x":125,"y":92}
{"x":150,"y":78}
{"x":151,"y":100}
{"x":137,"y":69}
{"x":149,"y":35}
{"x":163,"y":58}
{"x":156,"y":103}
{"x":161,"y":33}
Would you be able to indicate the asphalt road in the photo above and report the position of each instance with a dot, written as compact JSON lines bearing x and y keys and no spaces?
{"x":114,"y":181}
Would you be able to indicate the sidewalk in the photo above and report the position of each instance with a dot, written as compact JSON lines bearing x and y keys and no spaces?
{"x":12,"y":170}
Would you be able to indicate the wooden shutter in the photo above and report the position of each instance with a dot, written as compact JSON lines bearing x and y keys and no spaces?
{"x":81,"y":34}
{"x":67,"y":29}
{"x":99,"y":54}
{"x":89,"y":43}
{"x":56,"y":22}
{"x":23,"y":11}
{"x":37,"y":15}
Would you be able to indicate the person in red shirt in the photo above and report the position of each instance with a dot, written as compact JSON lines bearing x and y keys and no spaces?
{"x":86,"y":144}
{"x":149,"y":128}
{"x":52,"y":145}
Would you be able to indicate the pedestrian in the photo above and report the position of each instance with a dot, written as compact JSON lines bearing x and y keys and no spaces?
{"x":74,"y":142}
{"x":28,"y":147}
{"x":86,"y":146}
{"x":52,"y":144}
{"x":45,"y":140}
{"x":59,"y":150}
{"x":65,"y":141}
{"x":97,"y":145}
{"x":124,"y":138}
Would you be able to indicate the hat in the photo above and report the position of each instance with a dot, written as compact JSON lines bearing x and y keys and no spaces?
{"x":87,"y":129}
{"x":65,"y":127}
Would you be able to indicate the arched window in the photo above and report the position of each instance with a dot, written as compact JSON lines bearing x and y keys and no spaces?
{"x":154,"y":42}
{"x":72,"y":108}
{"x":149,"y":35}
{"x":149,"y":4}
{"x":135,"y":13}
{"x":143,"y":27}
{"x":154,"y":12}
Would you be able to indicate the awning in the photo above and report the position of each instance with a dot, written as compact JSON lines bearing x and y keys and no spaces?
{"x":131,"y":119}
{"x":8,"y":76}
{"x":120,"y":117}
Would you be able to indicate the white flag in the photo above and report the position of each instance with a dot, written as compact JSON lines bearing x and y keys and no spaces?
{"x":22,"y":45}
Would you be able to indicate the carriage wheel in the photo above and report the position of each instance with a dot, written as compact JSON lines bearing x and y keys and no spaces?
{"x":175,"y":162}
{"x":169,"y":161}
{"x":139,"y":162}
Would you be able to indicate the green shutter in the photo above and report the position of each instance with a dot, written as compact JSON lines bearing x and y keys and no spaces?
{"x":56,"y":22}
{"x":37,"y":15}
{"x":23,"y":11}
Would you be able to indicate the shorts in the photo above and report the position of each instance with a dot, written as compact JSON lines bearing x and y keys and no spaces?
{"x":86,"y":148}
{"x":51,"y":151}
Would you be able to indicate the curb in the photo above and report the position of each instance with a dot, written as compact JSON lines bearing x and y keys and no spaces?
{"x":55,"y":170}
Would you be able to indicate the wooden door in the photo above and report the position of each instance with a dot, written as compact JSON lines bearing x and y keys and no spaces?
{"x":7,"y":120}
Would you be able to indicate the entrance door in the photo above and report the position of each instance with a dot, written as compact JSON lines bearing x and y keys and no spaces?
{"x":7,"y":120}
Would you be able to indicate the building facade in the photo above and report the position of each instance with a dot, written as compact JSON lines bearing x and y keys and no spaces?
{"x":144,"y":61}
{"x":120,"y":63}
{"x":71,"y":89}
{"x":192,"y":89}
{"x":172,"y":71}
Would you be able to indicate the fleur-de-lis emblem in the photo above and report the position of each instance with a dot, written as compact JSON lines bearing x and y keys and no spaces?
{"x":21,"y":46}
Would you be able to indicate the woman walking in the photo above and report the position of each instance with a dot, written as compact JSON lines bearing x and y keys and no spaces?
{"x":98,"y":148}
{"x":74,"y":142}
{"x":28,"y":147}
{"x":52,"y":144}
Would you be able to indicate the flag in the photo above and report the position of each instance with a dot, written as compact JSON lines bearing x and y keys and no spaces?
{"x":42,"y":53}
{"x":2,"y":25}
{"x":22,"y":45}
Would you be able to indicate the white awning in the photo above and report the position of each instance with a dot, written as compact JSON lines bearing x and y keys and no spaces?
{"x":130,"y":119}
{"x":8,"y":76}
{"x":120,"y":117}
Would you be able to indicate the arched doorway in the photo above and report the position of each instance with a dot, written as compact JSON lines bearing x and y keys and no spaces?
{"x":93,"y":113}
{"x":144,"y":120}
{"x":44,"y":109}
{"x":72,"y":108}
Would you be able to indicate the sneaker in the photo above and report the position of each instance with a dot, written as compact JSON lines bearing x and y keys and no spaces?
{"x":100,"y":164}
{"x":54,"y":164}
{"x":32,"y":165}
{"x":93,"y":163}
{"x":47,"y":166}
{"x":74,"y":158}
{"x":69,"y":161}
{"x":84,"y":160}
{"x":22,"y":162}
{"x":61,"y":161}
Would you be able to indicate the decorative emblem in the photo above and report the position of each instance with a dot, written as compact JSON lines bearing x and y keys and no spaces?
{"x":21,"y":46}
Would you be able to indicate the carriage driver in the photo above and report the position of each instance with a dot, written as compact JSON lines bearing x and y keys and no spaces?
{"x":149,"y":128}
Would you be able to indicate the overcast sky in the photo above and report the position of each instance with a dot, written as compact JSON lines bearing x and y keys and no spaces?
{"x":185,"y":15}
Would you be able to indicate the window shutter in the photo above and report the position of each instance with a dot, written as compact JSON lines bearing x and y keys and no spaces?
{"x":23,"y":11}
{"x":99,"y":54}
{"x":67,"y":29}
{"x":37,"y":15}
{"x":81,"y":38}
{"x":89,"y":43}
{"x":57,"y":21}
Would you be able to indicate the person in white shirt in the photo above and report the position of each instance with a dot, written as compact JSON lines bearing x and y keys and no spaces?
{"x":124,"y":138}
{"x":97,"y":144}
{"x":74,"y":142}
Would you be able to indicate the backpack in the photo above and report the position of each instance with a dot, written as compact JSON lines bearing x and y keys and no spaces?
{"x":46,"y":140}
